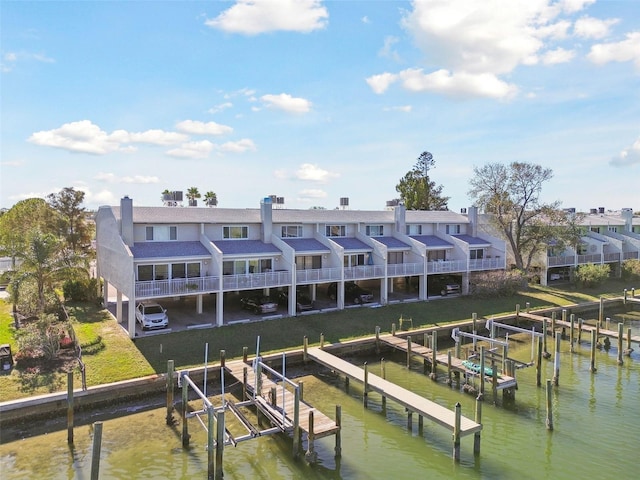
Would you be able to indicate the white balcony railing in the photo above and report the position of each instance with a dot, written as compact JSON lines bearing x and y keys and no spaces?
{"x":612,"y":257}
{"x":405,"y":269}
{"x":176,"y":286}
{"x":318,"y":275}
{"x":628,"y":255}
{"x":445,"y":266}
{"x":486,"y":264}
{"x":595,"y":258}
{"x":256,"y":280}
{"x":561,"y":261}
{"x":364,"y":271}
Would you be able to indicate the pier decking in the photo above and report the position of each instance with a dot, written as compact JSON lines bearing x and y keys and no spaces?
{"x":457,"y":365}
{"x":322,"y":425}
{"x":587,"y":328}
{"x":411,"y":401}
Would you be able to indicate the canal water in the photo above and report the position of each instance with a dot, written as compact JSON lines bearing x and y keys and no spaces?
{"x":596,"y":421}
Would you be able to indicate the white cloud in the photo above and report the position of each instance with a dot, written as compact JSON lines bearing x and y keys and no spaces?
{"x":381,"y":82}
{"x":461,"y":84}
{"x":401,"y":108}
{"x":475,"y":44}
{"x":624,"y":51}
{"x":311,"y":194}
{"x":559,"y":55}
{"x":220,"y":108}
{"x":86,"y":137}
{"x":589,"y":27}
{"x":387,"y":50}
{"x":196,"y":127}
{"x":287,"y":103}
{"x":10,"y":57}
{"x":313,"y":173}
{"x":136,"y":179}
{"x":240,"y":146}
{"x":252,"y":17}
{"x":365,"y":19}
{"x":629,"y":156}
{"x":192,"y":150}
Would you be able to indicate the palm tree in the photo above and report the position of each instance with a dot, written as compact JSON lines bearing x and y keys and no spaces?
{"x":211,"y":199}
{"x":193,"y":194}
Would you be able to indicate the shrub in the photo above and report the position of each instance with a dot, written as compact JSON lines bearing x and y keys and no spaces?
{"x":497,"y":284}
{"x":631,"y":269}
{"x":41,"y":338}
{"x":591,"y":275}
{"x":80,"y":290}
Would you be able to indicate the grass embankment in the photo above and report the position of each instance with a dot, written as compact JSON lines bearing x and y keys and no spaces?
{"x":110,"y":356}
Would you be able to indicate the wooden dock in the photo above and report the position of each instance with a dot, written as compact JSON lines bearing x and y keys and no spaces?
{"x":322,"y":425}
{"x":504,"y":381}
{"x":411,"y":401}
{"x":587,"y":328}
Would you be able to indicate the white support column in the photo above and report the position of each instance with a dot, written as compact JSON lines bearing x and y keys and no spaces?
{"x":219,"y":308}
{"x":340,"y":295}
{"x":132,"y":318}
{"x":199,"y":304}
{"x":384,"y":291}
{"x":422,"y":287}
{"x":465,"y":283}
{"x":292,"y":301}
{"x":105,"y":293}
{"x":119,"y":306}
{"x":313,"y":288}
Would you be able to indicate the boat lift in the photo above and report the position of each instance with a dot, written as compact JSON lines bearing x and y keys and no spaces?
{"x":492,"y":325}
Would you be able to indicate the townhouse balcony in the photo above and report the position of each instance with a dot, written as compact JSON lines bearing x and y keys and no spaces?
{"x":318,"y":275}
{"x":281,"y":278}
{"x":630,"y":255}
{"x":362,"y":272}
{"x":594,"y":258}
{"x":446,"y":266}
{"x":405,"y":269}
{"x":561,"y":261}
{"x":612,"y":257}
{"x":486,"y":264}
{"x":176,"y":287}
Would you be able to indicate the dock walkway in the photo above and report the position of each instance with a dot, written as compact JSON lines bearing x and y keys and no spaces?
{"x":409,"y":400}
{"x":322,"y":425}
{"x":585,"y":327}
{"x":504,"y":381}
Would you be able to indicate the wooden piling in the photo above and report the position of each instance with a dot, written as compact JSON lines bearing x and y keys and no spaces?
{"x":527,"y":307}
{"x":311,"y":454}
{"x":223,"y":355}
{"x":245,"y":354}
{"x":321,"y":340}
{"x":517,"y":311}
{"x":170,"y":391}
{"x":553,"y":324}
{"x":580,"y":324}
{"x":211,"y":450}
{"x":383,"y":374}
{"x":70,"y":408}
{"x":245,"y":379}
{"x":624,"y":296}
{"x":409,"y":351}
{"x":338,"y":449}
{"x":478,"y":419}
{"x":592,"y":367}
{"x":185,"y":406}
{"x":628,"y":351}
{"x":449,"y":379}
{"x":601,"y":313}
{"x":305,"y":348}
{"x":409,"y":420}
{"x":482,"y":371}
{"x":393,"y":329}
{"x":377,"y":339}
{"x":544,"y":337}
{"x":474,"y":320}
{"x":297,"y":432}
{"x":456,"y":432}
{"x":549,"y":421}
{"x":620,"y":339}
{"x":573,"y":321}
{"x":95,"y":451}
{"x":420,"y":425}
{"x":564,"y":314}
{"x":220,"y":430}
{"x":556,"y":362}
{"x":434,"y":352}
{"x":301,"y":388}
{"x":494,"y":382}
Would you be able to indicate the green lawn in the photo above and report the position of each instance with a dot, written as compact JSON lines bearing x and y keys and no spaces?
{"x":110,"y":355}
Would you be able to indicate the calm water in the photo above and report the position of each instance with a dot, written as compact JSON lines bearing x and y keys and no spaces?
{"x":596,"y":420}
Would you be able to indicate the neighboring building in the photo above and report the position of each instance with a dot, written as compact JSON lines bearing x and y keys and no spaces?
{"x":158,"y":252}
{"x":609,"y":238}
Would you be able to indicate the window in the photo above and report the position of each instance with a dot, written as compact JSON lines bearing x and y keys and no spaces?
{"x":374,"y":230}
{"x":612,"y":229}
{"x":241,"y":267}
{"x":154,"y":272}
{"x":291,"y":231}
{"x":394,"y":257}
{"x":582,"y":249}
{"x":307,"y":262}
{"x":476,"y":254}
{"x":235,"y":232}
{"x":414,"y":229}
{"x":354,"y":259}
{"x":453,"y":229}
{"x":160,"y":233}
{"x":436,"y":255}
{"x":595,"y":229}
{"x":335,"y":231}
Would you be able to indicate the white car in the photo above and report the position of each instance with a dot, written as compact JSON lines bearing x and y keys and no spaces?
{"x":151,"y":315}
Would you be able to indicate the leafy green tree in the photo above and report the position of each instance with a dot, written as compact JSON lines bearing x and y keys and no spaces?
{"x":592,"y":275}
{"x":211,"y":199}
{"x":510,"y":194}
{"x":418,"y":191}
{"x":71,"y":220}
{"x":631,"y":269}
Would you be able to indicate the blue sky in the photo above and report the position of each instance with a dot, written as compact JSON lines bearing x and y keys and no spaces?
{"x":315,"y":100}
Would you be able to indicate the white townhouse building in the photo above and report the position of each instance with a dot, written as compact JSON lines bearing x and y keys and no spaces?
{"x":608,"y":238}
{"x":147,"y":253}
